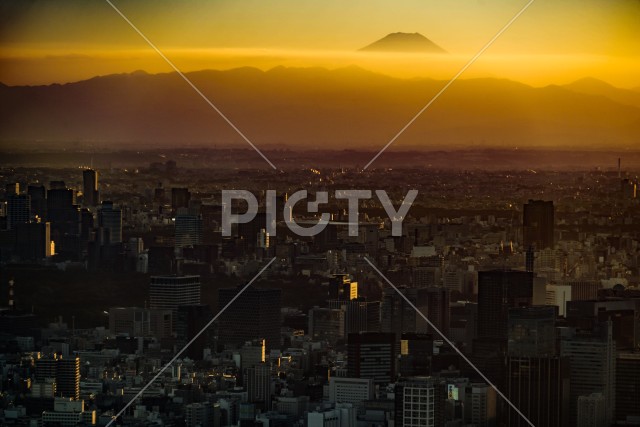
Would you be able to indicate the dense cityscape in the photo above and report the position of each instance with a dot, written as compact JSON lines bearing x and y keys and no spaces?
{"x":511,"y":297}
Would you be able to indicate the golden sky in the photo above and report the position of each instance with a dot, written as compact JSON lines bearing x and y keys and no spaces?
{"x":554,"y":41}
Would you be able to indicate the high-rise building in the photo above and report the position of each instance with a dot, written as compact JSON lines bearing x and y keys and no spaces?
{"x":326,"y":324}
{"x":65,"y":371}
{"x":38,"y":200}
{"x":171,"y":292}
{"x":191,"y":320}
{"x":416,"y":351}
{"x":480,"y":405}
{"x":180,"y":198}
{"x":255,"y":314}
{"x":342,"y":288}
{"x":18,"y":210}
{"x":33,"y":240}
{"x":350,"y":390}
{"x":257,"y":380}
{"x":538,"y":224}
{"x":141,"y":322}
{"x":592,"y":357}
{"x":90,"y":188}
{"x":419,"y":402}
{"x":202,"y":414}
{"x":539,"y":388}
{"x":188,"y":231}
{"x":627,"y":385}
{"x":499,"y":290}
{"x":592,"y":411}
{"x":110,"y":219}
{"x":531,"y":331}
{"x":68,"y":377}
{"x":360,"y":315}
{"x":372,"y":355}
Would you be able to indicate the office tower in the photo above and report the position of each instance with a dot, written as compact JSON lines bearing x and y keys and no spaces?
{"x":351,"y":390}
{"x":255,"y":314}
{"x":592,"y":411}
{"x":33,"y":241}
{"x":623,"y":314}
{"x":419,"y":401}
{"x":529,"y":259}
{"x":38,"y":196}
{"x":110,"y":219}
{"x":18,"y":210}
{"x":191,"y":320}
{"x":627,"y":385}
{"x":416,"y":351}
{"x":539,"y":387}
{"x":180,"y":198}
{"x":360,"y":315}
{"x":171,"y":292}
{"x":398,"y":316}
{"x":326,"y":324}
{"x":531,"y":331}
{"x":202,"y":414}
{"x":90,"y":188}
{"x":342,"y":288}
{"x":65,"y":371}
{"x":140,"y":322}
{"x":372,"y":355}
{"x":480,"y":405}
{"x":11,"y":189}
{"x":438,"y":313}
{"x":592,"y":358}
{"x":257,"y":380}
{"x":538,"y":224}
{"x":499,"y":290}
{"x":188,"y":231}
{"x":583,"y":290}
{"x":253,"y":353}
{"x":68,"y":377}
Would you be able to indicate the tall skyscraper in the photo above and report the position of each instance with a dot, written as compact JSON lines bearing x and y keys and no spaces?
{"x":257,"y":380}
{"x":18,"y":210}
{"x":65,"y":372}
{"x":171,"y":292}
{"x":531,"y":331}
{"x":360,"y":315}
{"x":538,"y":224}
{"x":499,"y":290}
{"x":255,"y":314}
{"x":627,"y":385}
{"x":180,"y":198}
{"x":539,"y":388}
{"x":38,"y":200}
{"x":191,"y":320}
{"x":326,"y":324}
{"x":90,"y":188}
{"x":188,"y":231}
{"x":372,"y":355}
{"x":592,"y":355}
{"x":110,"y":219}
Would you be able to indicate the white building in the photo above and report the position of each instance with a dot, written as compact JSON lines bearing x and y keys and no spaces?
{"x":350,"y":390}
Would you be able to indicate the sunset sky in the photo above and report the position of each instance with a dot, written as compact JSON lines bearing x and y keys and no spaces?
{"x":552,"y":42}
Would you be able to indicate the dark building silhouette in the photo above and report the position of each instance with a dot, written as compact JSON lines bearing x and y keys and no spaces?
{"x":33,"y":241}
{"x":255,"y":314}
{"x":538,"y":224}
{"x":180,"y":198}
{"x":416,"y":351}
{"x":539,"y":388}
{"x":191,"y":319}
{"x":499,"y":290}
{"x":18,"y":210}
{"x":65,"y":372}
{"x":38,"y":196}
{"x":627,"y":385}
{"x":372,"y":355}
{"x":531,"y":331}
{"x":90,"y":188}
